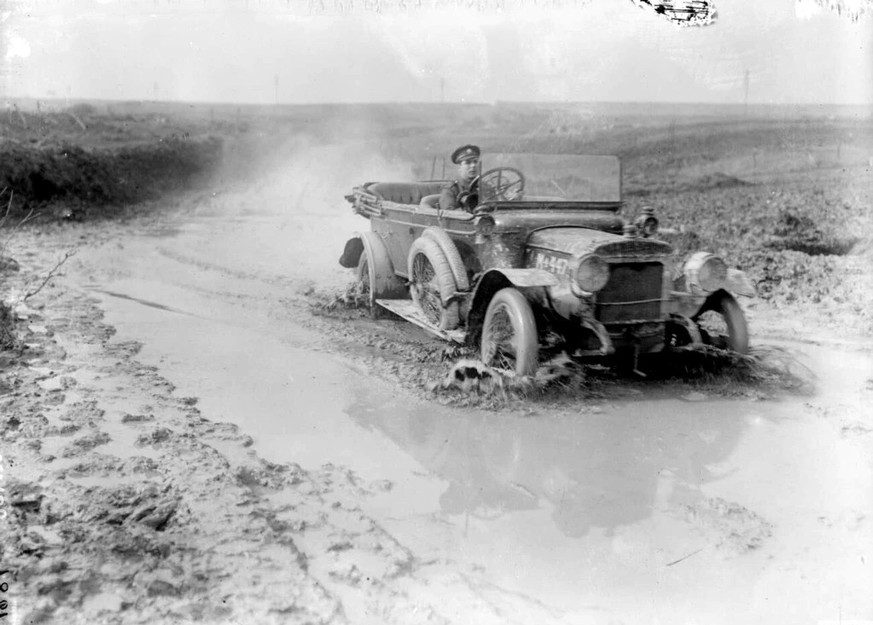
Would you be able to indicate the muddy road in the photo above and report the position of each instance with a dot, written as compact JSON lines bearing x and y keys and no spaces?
{"x":669,"y":503}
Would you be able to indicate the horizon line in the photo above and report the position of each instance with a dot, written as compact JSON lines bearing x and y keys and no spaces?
{"x":71,"y":100}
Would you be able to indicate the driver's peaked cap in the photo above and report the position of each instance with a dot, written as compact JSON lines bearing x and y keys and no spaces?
{"x":464,"y":153}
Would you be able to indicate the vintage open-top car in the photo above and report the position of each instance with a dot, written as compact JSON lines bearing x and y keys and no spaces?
{"x":540,"y":252}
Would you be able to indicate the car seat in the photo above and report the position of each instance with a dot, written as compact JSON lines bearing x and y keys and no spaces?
{"x":431,"y":201}
{"x":405,"y":192}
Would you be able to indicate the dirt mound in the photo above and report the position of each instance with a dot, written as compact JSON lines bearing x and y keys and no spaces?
{"x":641,"y":186}
{"x":717,"y":180}
{"x":85,"y":181}
{"x":800,"y":233}
{"x":796,"y":239}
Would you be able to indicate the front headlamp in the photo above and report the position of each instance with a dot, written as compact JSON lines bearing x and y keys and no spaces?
{"x":706,"y":271}
{"x":592,"y":273}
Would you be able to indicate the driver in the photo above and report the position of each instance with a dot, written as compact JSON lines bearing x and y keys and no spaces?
{"x":453,"y":194}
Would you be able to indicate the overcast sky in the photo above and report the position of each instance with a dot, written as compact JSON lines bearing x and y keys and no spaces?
{"x":295,"y":51}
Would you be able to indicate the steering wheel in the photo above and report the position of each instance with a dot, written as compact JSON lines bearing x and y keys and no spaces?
{"x":501,"y":183}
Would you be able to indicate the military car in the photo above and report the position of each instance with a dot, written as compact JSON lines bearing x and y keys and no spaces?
{"x":540,"y":254}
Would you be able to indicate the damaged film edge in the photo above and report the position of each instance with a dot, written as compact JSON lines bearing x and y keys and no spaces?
{"x":687,"y":13}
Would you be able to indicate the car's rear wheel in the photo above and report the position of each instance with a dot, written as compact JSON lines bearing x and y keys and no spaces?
{"x":723,"y":324}
{"x":431,"y":283}
{"x":453,"y":256}
{"x":509,"y":334}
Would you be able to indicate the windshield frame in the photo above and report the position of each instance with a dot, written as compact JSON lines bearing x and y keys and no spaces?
{"x":552,"y":179}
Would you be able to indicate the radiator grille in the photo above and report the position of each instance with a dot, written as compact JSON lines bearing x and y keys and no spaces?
{"x":633,"y":293}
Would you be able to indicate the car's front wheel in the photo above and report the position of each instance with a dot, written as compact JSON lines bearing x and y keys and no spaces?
{"x":509,"y":334}
{"x":723,"y":324}
{"x":431,"y":283}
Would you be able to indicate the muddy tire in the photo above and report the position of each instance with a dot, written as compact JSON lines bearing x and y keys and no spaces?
{"x":375,"y":273}
{"x":453,"y":256}
{"x":367,"y":283}
{"x":723,"y":324}
{"x":509,"y":334}
{"x":431,"y":282}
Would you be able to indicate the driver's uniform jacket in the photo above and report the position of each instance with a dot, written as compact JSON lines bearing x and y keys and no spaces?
{"x":449,"y":195}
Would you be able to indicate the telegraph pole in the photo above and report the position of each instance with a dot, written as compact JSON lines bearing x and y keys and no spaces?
{"x":746,"y":93}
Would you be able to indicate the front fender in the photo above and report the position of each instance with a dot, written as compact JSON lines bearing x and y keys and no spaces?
{"x":692,"y":304}
{"x":738,"y":283}
{"x":525,"y":278}
{"x":734,"y":281}
{"x":384,"y":281}
{"x":352,"y":252}
{"x":492,"y":281}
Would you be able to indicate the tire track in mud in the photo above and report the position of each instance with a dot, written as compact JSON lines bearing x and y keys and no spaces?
{"x":113,"y":529}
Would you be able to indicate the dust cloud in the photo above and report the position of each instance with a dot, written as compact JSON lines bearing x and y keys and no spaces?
{"x":290,"y":214}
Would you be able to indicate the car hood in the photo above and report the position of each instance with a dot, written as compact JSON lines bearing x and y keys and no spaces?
{"x":580,"y":241}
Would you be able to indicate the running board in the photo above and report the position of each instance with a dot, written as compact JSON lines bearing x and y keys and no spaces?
{"x":407,"y":309}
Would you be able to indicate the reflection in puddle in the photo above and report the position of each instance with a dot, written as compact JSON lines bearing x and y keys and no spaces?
{"x":622,"y":510}
{"x":592,"y":470}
